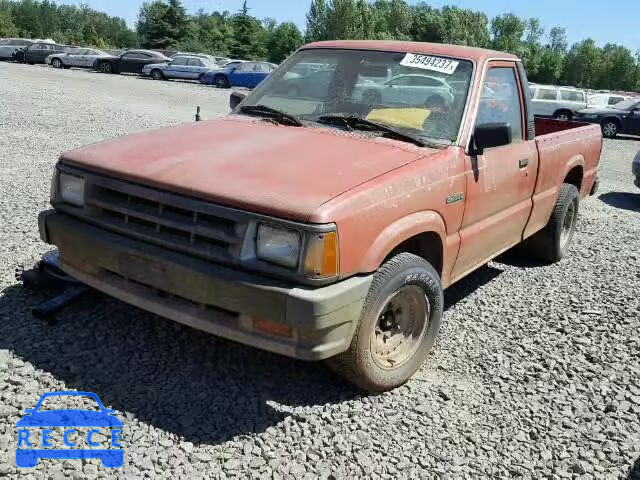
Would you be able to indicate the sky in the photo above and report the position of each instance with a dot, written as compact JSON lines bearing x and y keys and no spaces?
{"x":615,"y":22}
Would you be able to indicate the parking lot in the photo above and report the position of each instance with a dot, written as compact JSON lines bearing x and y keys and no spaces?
{"x":536,"y":373}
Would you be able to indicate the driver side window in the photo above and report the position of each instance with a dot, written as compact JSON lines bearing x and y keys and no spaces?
{"x":500,"y":101}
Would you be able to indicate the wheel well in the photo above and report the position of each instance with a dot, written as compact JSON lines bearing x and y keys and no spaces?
{"x":427,"y":245}
{"x":611,"y":119}
{"x":563,"y":110}
{"x":574,"y":177}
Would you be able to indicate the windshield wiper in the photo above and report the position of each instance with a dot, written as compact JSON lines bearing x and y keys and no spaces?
{"x":361,"y":123}
{"x":273,"y":113}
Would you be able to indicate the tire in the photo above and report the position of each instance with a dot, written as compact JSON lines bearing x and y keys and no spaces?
{"x":610,"y":128}
{"x":221,"y":81}
{"x":563,"y":115}
{"x":365,"y":363}
{"x":157,"y":75}
{"x":106,"y":67}
{"x":552,"y":242}
{"x":435,"y":101}
{"x":201,"y":78}
{"x":57,"y":63}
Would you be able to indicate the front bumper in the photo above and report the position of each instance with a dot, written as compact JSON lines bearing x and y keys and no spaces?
{"x":319,"y":322}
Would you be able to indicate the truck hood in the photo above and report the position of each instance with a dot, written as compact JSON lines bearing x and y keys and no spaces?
{"x":248,"y":163}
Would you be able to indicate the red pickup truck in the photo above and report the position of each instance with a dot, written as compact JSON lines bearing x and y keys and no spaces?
{"x":324,"y":216}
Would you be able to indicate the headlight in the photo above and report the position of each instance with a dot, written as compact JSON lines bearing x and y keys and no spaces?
{"x":71,"y":189}
{"x":278,"y":245}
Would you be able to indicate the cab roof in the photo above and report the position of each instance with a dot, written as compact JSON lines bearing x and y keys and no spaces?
{"x":470,"y":53}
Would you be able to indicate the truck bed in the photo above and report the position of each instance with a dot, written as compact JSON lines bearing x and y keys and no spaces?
{"x":567,"y":150}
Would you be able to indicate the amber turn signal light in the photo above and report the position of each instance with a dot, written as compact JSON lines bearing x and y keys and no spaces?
{"x":322,"y":255}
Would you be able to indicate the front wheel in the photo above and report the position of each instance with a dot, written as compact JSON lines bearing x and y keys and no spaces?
{"x":221,"y":82}
{"x":106,"y":67}
{"x":609,"y":129}
{"x":552,"y":242}
{"x":157,"y":75}
{"x":398,"y":326}
{"x":57,"y":63}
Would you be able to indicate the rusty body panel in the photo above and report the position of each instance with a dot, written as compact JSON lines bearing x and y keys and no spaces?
{"x":376,"y":192}
{"x":248,"y":163}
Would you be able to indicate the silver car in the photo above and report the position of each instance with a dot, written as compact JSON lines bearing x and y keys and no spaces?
{"x":78,"y":57}
{"x":186,"y":67}
{"x":10,"y":45}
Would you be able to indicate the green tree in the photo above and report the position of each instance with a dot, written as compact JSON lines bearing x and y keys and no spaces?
{"x":284,"y":39}
{"x":247,"y":31}
{"x":317,"y":21}
{"x":152,"y":26}
{"x":507,"y":31}
{"x":533,"y":50}
{"x":7,"y":27}
{"x":175,"y":16}
{"x":583,"y":65}
{"x":619,"y":69}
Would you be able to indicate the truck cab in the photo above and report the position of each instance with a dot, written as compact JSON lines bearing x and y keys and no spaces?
{"x":321,"y":223}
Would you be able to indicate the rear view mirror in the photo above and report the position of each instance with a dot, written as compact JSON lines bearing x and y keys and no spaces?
{"x":490,"y":135}
{"x":236,"y":98}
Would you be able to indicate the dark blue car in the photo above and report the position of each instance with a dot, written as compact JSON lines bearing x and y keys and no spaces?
{"x":239,"y":74}
{"x":69,"y":419}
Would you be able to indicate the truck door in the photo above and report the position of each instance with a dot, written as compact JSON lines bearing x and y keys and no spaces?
{"x":501,"y":181}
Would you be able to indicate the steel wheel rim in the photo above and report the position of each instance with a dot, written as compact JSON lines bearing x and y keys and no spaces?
{"x":156,"y":75}
{"x":400,"y":327}
{"x":57,"y":63}
{"x":568,"y":225}
{"x":609,"y":129}
{"x":563,"y":117}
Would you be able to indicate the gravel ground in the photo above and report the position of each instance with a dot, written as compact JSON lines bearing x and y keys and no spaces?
{"x":536,"y":373}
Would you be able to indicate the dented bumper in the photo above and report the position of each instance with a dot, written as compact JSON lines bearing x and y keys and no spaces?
{"x":301,"y":322}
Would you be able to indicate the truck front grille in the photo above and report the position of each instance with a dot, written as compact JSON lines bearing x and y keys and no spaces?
{"x":178,"y":223}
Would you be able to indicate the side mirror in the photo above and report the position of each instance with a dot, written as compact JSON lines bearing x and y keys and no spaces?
{"x":236,"y":98}
{"x":490,"y":135}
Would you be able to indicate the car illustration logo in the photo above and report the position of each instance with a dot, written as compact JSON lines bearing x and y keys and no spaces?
{"x":70,"y":420}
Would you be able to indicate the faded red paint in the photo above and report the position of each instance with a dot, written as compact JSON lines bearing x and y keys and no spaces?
{"x":379,"y":192}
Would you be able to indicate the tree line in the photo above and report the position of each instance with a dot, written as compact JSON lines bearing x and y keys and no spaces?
{"x":165,"y":24}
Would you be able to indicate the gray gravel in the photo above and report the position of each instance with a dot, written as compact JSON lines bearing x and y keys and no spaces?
{"x":536,"y":373}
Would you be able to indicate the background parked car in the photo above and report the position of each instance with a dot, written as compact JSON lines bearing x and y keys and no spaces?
{"x":39,"y":51}
{"x":408,"y":89}
{"x":8,"y":46}
{"x":624,"y":117}
{"x":77,"y":57}
{"x":131,"y":61}
{"x":245,"y":74}
{"x":187,"y":67}
{"x":604,"y":99}
{"x":557,"y":102}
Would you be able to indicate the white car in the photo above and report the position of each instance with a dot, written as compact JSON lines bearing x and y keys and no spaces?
{"x":560,"y":103}
{"x":410,"y":89}
{"x":77,"y":57}
{"x":605,"y":99}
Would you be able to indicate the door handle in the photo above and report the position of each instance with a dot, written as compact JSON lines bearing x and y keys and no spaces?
{"x":523,"y":162}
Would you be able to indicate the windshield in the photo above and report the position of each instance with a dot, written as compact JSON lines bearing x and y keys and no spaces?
{"x":420,"y":94}
{"x":627,"y":104}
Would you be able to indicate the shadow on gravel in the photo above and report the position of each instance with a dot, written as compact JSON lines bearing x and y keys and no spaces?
{"x":196,"y":386}
{"x":623,"y":200}
{"x":634,"y":474}
{"x":201,"y":388}
{"x":469,"y":284}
